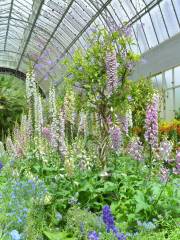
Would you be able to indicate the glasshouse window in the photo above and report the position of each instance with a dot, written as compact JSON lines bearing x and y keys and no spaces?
{"x":89,"y":119}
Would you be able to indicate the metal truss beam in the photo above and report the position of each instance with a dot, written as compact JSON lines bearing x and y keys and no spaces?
{"x":8,"y":24}
{"x":82,"y":31}
{"x":30,"y":32}
{"x":57,"y":26}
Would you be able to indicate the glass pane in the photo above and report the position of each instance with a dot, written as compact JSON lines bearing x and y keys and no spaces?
{"x":149,"y":31}
{"x":159,"y":80}
{"x":177,"y":99}
{"x":159,"y":24}
{"x":169,"y":104}
{"x":140,"y":36}
{"x":177,"y":7}
{"x":177,"y":76}
{"x":169,"y":16}
{"x":168,"y":78}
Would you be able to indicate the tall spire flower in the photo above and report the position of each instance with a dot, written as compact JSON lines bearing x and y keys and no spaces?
{"x":111,"y":70}
{"x":108,"y":219}
{"x":30,"y":85}
{"x":62,"y":143}
{"x":38,"y":113}
{"x":53,"y":115}
{"x":151,"y":123}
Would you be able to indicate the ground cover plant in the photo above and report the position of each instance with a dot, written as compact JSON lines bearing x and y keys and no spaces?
{"x":93,"y":163}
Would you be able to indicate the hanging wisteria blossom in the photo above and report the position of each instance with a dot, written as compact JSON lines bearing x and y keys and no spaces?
{"x":111,"y":69}
{"x":116,"y":138}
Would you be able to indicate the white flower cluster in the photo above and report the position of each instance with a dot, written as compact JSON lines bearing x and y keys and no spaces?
{"x":62,"y":143}
{"x":38,"y":113}
{"x":2,"y":150}
{"x":54,"y":120}
{"x":30,"y":85}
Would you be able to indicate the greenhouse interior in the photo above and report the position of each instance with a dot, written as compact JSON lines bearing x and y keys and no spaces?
{"x":89,"y":119}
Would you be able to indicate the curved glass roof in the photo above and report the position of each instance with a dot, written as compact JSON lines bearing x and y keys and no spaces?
{"x":46,"y":31}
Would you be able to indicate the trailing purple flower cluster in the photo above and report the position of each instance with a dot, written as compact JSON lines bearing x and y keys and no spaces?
{"x":111,"y":69}
{"x":151,"y":126}
{"x":116,"y":137}
{"x":135,"y":149}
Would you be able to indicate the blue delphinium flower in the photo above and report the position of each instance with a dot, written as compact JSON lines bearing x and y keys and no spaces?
{"x":110,"y":224}
{"x":1,"y":165}
{"x":93,"y":236}
{"x":108,"y":218}
{"x":15,"y":235}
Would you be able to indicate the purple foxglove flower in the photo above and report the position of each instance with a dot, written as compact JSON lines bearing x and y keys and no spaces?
{"x":135,"y":149}
{"x":164,"y":174}
{"x":165,"y":150}
{"x":151,"y":122}
{"x":176,"y":170}
{"x":47,"y":133}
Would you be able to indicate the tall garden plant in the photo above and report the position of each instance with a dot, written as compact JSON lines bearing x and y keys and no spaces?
{"x":99,"y":80}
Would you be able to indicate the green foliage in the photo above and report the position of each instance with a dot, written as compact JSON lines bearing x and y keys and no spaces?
{"x":58,"y":235}
{"x":12,"y":103}
{"x":142,"y":91}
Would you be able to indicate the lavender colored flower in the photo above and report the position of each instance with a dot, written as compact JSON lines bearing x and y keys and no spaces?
{"x":46,"y":133}
{"x":120,"y":236}
{"x":111,"y":70}
{"x":151,"y":123}
{"x":130,"y":65}
{"x":129,"y":98}
{"x":164,"y":174}
{"x":135,"y":149}
{"x":116,"y":138}
{"x":126,"y":30}
{"x":176,"y":170}
{"x":124,"y":123}
{"x":93,"y":236}
{"x":165,"y":150}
